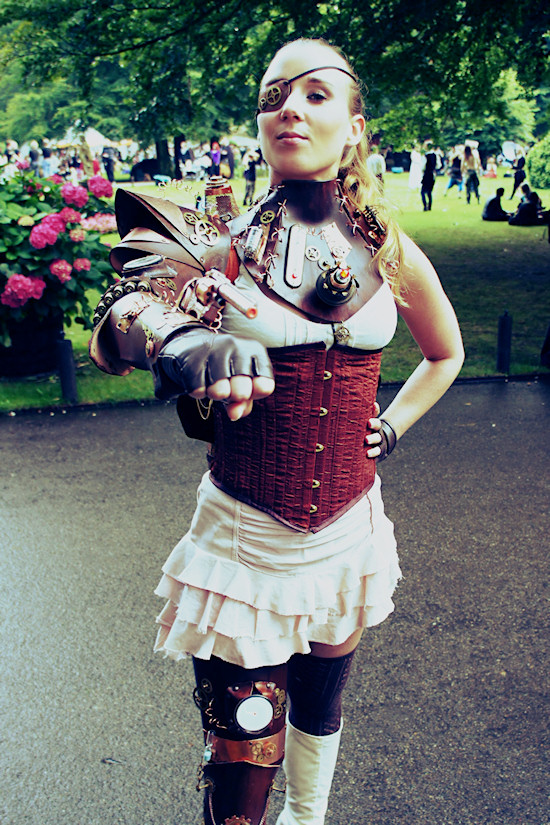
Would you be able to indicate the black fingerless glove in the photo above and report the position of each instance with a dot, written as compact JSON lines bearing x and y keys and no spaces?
{"x":199,"y":357}
{"x":389,"y":440}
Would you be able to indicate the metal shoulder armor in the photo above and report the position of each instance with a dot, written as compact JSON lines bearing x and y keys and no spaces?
{"x":171,"y":259}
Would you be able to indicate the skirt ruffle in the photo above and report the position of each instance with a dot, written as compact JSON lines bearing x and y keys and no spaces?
{"x":246,"y":588}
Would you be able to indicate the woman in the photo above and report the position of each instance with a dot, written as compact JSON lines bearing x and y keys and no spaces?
{"x":470,"y":169}
{"x":519,"y":175}
{"x":428,"y":180}
{"x":454,"y":171}
{"x":289,"y":555}
{"x":416,"y":167}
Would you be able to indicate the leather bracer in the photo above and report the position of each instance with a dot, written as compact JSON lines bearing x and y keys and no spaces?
{"x":137,"y":316}
{"x":164,"y":255}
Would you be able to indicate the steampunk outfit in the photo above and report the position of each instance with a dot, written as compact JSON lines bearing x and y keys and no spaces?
{"x":289,"y":543}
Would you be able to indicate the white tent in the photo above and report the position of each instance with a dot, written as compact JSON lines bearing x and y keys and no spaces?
{"x":95,"y":140}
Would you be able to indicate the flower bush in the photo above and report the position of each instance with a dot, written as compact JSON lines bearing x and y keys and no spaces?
{"x":51,"y":253}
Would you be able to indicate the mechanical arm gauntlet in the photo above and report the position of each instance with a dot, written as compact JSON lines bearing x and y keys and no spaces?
{"x":161,"y":295}
{"x":133,"y":321}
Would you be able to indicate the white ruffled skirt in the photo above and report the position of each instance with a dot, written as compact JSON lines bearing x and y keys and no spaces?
{"x":248,"y":589}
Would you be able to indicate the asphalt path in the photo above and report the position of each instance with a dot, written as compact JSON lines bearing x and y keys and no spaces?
{"x":446,"y":719}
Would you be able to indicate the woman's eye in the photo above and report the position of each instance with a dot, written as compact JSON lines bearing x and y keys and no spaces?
{"x":317,"y":97}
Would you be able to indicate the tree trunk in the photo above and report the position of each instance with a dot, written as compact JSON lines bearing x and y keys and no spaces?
{"x":165,"y":165}
{"x":178,"y":140}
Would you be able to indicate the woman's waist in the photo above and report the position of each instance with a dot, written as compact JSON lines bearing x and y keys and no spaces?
{"x":300,"y":454}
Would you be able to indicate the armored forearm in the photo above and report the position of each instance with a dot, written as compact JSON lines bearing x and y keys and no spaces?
{"x":139,"y":314}
{"x":132,"y":332}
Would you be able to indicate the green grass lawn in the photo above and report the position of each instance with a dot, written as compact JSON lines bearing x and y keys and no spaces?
{"x":486,"y":269}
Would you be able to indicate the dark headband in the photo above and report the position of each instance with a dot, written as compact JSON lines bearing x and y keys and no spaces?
{"x":276,"y":93}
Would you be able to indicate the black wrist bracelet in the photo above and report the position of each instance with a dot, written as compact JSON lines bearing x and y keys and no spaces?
{"x":390,"y":437}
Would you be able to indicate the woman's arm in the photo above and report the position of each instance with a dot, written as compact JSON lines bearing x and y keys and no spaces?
{"x":433,"y":325}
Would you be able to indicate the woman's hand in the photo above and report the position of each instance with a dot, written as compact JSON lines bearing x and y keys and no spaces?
{"x":374,"y":439}
{"x":238,"y":393}
{"x":201,"y":363}
{"x":383,"y":439}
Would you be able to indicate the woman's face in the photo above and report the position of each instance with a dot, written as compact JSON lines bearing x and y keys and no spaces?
{"x":306,"y":136}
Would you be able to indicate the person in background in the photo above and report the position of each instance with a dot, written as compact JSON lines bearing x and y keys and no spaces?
{"x":454,"y":172}
{"x":34,"y":156}
{"x":441,"y":160}
{"x":376,"y":163}
{"x":428,"y":179}
{"x":519,"y":175}
{"x":490,"y":168}
{"x":216,"y":157}
{"x":289,"y":556}
{"x":529,"y":212}
{"x":108,"y":157}
{"x":416,"y":167}
{"x":46,"y":159}
{"x":492,"y":210}
{"x":471,"y":169}
{"x":525,"y":190}
{"x":377,"y":166}
{"x":250,"y":161}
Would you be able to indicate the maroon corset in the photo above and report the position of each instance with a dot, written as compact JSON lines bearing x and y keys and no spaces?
{"x":300,"y":455}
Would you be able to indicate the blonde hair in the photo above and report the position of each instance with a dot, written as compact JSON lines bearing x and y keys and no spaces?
{"x":364,"y":189}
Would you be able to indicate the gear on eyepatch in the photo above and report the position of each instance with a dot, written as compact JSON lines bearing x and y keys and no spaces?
{"x":276,"y":93}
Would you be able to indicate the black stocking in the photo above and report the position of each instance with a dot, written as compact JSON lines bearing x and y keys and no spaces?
{"x":315,"y":686}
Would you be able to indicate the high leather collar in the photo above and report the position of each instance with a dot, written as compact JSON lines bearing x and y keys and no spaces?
{"x":307,"y":201}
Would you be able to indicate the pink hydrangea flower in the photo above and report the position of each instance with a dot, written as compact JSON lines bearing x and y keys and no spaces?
{"x":42,"y":236}
{"x":100,"y":187}
{"x":55,"y":179}
{"x":82,"y":264}
{"x":100,"y":222}
{"x":77,"y":234}
{"x":19,"y":288}
{"x":70,"y":215}
{"x":76,"y":195}
{"x":61,"y":269}
{"x":23,"y":164}
{"x":54,"y":221}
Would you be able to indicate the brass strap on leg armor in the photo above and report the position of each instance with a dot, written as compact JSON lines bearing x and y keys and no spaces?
{"x":267,"y":751}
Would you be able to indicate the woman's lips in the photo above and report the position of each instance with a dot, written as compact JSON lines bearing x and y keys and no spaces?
{"x":290,"y":138}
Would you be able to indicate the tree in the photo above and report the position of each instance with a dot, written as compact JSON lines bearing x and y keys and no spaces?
{"x":194,"y":67}
{"x":49,"y":109}
{"x":538,"y":164}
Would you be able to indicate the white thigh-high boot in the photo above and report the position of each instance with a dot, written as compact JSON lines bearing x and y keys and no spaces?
{"x":309,"y":764}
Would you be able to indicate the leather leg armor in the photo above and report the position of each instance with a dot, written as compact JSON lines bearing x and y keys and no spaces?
{"x":243,"y":717}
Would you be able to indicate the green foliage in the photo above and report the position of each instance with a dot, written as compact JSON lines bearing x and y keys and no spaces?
{"x":538,"y":164}
{"x":193,"y":68}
